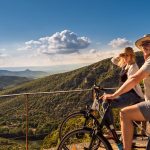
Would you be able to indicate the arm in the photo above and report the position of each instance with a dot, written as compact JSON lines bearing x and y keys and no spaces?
{"x":128,"y":85}
{"x":131,"y":82}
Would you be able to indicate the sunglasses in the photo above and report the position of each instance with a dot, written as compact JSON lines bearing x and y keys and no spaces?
{"x":145,"y":44}
{"x":125,"y":55}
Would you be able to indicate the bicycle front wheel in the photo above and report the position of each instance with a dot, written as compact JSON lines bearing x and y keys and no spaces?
{"x":84,"y":139}
{"x":76,"y":121}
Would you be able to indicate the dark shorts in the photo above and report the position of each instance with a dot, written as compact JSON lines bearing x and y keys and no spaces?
{"x":126,"y":99}
{"x":145,"y":109}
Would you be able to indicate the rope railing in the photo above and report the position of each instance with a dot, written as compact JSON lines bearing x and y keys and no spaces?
{"x":36,"y":93}
{"x":53,"y":92}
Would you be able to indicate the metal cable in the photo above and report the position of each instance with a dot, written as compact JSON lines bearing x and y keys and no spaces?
{"x":53,"y":92}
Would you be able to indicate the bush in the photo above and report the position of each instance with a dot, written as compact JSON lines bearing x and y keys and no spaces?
{"x":51,"y":140}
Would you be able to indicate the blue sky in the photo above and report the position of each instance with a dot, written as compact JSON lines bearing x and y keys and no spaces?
{"x":53,"y":32}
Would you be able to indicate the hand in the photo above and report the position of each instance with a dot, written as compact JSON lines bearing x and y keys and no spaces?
{"x":107,"y":97}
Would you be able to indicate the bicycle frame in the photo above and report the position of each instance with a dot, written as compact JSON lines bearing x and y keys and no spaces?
{"x":104,"y":121}
{"x":109,"y":126}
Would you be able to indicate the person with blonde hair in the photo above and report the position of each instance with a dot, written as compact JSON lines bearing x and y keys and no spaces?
{"x":140,"y":111}
{"x":125,"y":60}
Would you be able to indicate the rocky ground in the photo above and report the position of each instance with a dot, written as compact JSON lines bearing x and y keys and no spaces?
{"x":138,"y":141}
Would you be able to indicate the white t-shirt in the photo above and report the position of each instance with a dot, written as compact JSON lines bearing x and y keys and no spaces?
{"x":132,"y":69}
{"x":146,"y":68}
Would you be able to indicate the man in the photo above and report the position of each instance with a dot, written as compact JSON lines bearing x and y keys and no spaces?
{"x":140,"y":111}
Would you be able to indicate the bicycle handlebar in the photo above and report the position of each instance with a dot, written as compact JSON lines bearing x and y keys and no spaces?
{"x":97,"y":91}
{"x":99,"y":88}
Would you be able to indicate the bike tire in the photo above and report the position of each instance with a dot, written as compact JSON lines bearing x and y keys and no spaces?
{"x":74,"y":115}
{"x":75,"y":143}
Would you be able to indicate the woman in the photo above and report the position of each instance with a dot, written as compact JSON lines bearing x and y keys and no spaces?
{"x":126,"y":61}
{"x":140,"y":111}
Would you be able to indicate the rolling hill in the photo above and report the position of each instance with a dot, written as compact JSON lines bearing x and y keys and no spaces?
{"x":11,"y":81}
{"x":26,"y":73}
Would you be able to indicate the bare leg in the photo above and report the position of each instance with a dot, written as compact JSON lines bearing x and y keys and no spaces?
{"x":127,"y":115}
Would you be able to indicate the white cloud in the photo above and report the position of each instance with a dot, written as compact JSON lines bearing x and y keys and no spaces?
{"x":119,"y":43}
{"x":93,"y":51}
{"x":92,"y":56}
{"x":84,"y":57}
{"x":3,"y":55}
{"x":65,"y":42}
{"x":32,"y":42}
{"x":2,"y":49}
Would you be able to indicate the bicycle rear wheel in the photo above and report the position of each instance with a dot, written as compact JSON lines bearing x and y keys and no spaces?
{"x":75,"y":121}
{"x":84,"y":139}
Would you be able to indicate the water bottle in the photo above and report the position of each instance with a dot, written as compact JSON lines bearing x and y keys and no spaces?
{"x":120,"y":146}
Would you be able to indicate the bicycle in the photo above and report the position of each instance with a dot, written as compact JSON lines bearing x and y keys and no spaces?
{"x":85,"y":117}
{"x":93,"y":138}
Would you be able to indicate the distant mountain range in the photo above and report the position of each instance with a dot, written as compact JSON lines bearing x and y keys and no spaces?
{"x":12,"y":81}
{"x":49,"y":69}
{"x":26,"y":73}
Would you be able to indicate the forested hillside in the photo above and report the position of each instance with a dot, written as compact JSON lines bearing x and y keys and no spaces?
{"x":47,"y":111}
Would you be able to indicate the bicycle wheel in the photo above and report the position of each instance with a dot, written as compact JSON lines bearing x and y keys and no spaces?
{"x":84,"y":139}
{"x":75,"y":121}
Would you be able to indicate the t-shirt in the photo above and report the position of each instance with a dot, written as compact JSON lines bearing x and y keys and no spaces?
{"x":132,"y":69}
{"x":146,"y":68}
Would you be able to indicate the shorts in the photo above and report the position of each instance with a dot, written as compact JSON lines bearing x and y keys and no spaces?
{"x":145,"y":109}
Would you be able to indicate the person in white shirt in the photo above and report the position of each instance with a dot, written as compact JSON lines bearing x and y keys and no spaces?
{"x":140,"y":111}
{"x":125,"y":60}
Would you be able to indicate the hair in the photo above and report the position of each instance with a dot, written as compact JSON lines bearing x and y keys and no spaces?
{"x":129,"y":51}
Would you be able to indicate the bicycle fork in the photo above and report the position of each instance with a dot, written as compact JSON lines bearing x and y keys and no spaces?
{"x":112,"y":129}
{"x":92,"y":140}
{"x":116,"y":138}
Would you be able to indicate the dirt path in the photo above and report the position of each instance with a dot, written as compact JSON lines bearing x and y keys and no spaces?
{"x":139,"y":142}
